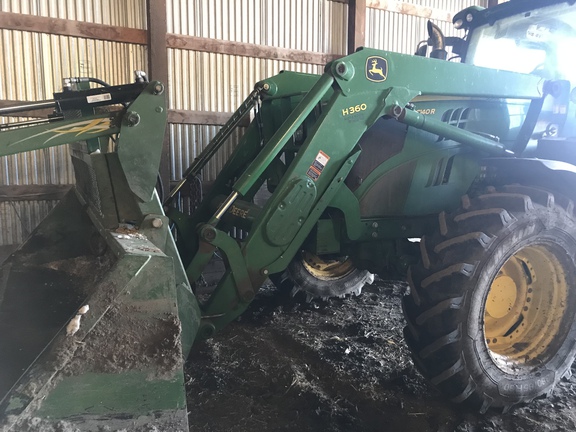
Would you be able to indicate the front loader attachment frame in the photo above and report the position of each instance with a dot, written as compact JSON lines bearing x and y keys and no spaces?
{"x":106,"y":245}
{"x":335,"y":109}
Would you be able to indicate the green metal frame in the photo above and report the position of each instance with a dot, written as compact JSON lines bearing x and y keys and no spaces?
{"x":145,"y":279}
{"x":302,"y":144}
{"x":349,"y":103}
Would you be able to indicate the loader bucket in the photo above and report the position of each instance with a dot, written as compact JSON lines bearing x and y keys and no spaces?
{"x":122,"y":368}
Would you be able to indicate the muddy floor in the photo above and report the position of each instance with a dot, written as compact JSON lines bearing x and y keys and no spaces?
{"x":336,"y":365}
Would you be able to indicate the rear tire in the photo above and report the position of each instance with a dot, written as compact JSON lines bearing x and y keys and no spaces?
{"x":322,"y":278}
{"x":490,"y":316}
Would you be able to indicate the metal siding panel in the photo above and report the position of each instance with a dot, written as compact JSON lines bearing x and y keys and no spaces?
{"x":383,"y":29}
{"x":19,"y":218}
{"x":310,"y":25}
{"x":392,"y":31}
{"x":32,"y":69}
{"x":195,"y":86}
{"x":186,"y":143}
{"x":335,"y":20}
{"x":448,"y":5}
{"x":125,"y":13}
{"x":215,"y":82}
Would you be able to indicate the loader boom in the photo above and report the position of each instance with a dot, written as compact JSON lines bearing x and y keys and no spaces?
{"x":314,"y":180}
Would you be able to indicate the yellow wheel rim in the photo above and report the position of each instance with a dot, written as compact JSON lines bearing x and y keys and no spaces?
{"x":327,"y":269}
{"x":524,"y":309}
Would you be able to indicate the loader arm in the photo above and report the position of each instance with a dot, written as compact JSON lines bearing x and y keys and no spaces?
{"x":352,"y":94}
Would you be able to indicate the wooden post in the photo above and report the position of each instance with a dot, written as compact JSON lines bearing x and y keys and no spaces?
{"x":356,"y":24}
{"x":158,"y":70}
{"x":492,"y":3}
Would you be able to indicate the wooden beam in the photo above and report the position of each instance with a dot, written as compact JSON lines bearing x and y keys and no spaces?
{"x":158,"y":54}
{"x":410,"y":9}
{"x":201,"y":117}
{"x":64,"y":27}
{"x":194,"y":43}
{"x":158,"y":70}
{"x":47,"y":192}
{"x":356,"y":24}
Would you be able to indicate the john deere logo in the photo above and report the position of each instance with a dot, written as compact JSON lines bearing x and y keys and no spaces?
{"x":376,"y":69}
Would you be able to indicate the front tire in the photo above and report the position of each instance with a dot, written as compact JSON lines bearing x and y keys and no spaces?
{"x":491,"y":314}
{"x":322,"y":278}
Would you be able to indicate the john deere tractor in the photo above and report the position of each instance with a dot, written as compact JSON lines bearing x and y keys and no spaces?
{"x":453,"y":167}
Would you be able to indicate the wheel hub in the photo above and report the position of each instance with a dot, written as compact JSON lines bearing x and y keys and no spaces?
{"x":524,"y":308}
{"x":327,"y":268}
{"x":502,"y":297}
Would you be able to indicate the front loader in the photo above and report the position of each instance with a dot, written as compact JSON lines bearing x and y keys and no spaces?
{"x":96,"y":312}
{"x":456,"y":175}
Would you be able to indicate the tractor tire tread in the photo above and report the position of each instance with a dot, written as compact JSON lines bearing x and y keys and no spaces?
{"x":466,"y":269}
{"x":513,"y":201}
{"x":441,"y":342}
{"x":446,"y":305}
{"x":448,"y":372}
{"x":478,"y":236}
{"x":433,"y":308}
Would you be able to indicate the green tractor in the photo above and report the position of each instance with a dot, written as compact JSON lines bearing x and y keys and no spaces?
{"x":386,"y":148}
{"x":453,"y":167}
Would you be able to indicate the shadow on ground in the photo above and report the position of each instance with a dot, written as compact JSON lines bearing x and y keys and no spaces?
{"x":336,"y":365}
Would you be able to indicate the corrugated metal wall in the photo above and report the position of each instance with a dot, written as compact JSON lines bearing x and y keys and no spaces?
{"x":310,"y":25}
{"x":218,"y":82}
{"x":195,"y":86}
{"x":19,"y":218}
{"x":396,"y":32}
{"x":34,"y":64}
{"x":121,"y":13}
{"x":452,"y":6}
{"x":32,"y":68}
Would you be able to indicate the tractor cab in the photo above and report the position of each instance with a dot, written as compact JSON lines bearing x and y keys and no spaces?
{"x":538,"y":41}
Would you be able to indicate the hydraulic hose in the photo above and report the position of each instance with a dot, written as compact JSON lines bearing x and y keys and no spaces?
{"x":75,"y":80}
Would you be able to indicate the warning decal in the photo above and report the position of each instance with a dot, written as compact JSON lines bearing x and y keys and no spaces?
{"x":313,"y":174}
{"x":318,"y":165}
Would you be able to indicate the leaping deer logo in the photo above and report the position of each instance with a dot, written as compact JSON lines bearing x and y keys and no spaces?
{"x":376,"y":69}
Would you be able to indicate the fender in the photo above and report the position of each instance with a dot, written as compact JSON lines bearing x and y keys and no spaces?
{"x":556,"y":176}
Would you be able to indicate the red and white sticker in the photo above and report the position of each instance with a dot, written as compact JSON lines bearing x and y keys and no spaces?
{"x":318,"y":165}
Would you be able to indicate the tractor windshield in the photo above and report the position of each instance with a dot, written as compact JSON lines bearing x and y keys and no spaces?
{"x":540,"y":42}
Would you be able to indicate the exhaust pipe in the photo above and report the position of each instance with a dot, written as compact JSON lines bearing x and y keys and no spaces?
{"x":437,"y":41}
